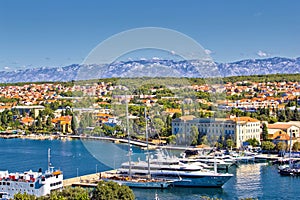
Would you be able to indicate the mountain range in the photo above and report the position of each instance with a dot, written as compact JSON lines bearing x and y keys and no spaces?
{"x":154,"y":68}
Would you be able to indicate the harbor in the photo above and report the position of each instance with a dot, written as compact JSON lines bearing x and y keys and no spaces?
{"x":80,"y":167}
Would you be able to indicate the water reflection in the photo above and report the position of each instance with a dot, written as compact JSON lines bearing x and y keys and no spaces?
{"x":178,"y":193}
{"x":249,"y":181}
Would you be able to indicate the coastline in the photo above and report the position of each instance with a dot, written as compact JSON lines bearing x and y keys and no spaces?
{"x":141,"y":144}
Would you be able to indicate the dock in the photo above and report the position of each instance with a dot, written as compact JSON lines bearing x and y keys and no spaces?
{"x":89,"y":180}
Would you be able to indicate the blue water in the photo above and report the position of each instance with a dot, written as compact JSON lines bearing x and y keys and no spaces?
{"x":254,"y":180}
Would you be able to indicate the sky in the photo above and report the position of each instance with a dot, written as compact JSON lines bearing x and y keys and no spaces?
{"x":40,"y":33}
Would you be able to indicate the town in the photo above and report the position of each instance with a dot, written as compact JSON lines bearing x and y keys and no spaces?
{"x":240,"y":112}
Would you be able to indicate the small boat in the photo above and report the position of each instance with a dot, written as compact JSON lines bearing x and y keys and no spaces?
{"x":292,"y":169}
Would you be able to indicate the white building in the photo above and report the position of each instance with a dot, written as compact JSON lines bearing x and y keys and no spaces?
{"x":240,"y":129}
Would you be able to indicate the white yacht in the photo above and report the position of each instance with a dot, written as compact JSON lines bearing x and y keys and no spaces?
{"x":183,"y":175}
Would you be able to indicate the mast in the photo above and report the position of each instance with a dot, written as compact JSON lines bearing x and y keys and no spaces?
{"x":290,"y":156}
{"x":49,"y":159}
{"x":127,"y":130}
{"x":148,"y":157}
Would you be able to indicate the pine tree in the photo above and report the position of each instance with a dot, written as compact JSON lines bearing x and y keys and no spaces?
{"x":265,"y":132}
{"x":74,"y":124}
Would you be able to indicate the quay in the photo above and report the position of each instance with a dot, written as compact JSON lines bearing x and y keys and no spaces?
{"x":141,"y":144}
{"x":89,"y":180}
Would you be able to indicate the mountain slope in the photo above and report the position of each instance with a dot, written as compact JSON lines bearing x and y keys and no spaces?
{"x":155,"y":68}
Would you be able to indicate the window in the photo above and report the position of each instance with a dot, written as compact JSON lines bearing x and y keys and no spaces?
{"x":31,"y":185}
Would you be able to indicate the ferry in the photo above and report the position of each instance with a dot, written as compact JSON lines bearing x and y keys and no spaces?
{"x":33,"y":183}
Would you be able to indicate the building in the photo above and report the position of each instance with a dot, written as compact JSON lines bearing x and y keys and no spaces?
{"x":27,"y":109}
{"x":239,"y":129}
{"x":63,"y":124}
{"x":287,"y":127}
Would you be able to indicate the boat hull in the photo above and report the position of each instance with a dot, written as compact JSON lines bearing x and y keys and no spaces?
{"x":185,"y":180}
{"x":144,"y":184}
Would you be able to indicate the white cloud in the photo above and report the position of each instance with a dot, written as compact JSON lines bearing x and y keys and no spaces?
{"x":207,"y":51}
{"x":261,"y":53}
{"x":6,"y":68}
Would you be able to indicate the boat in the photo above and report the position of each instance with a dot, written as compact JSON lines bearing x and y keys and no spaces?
{"x":293,"y":168}
{"x":182,"y":175}
{"x":33,"y":183}
{"x":145,"y":181}
{"x":140,"y":182}
{"x":290,"y":170}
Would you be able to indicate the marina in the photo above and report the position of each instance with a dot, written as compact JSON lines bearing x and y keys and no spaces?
{"x":249,"y":180}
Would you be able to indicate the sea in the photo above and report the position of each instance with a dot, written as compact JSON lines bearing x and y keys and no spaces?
{"x":80,"y":157}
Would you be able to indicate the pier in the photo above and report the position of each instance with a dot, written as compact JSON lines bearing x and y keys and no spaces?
{"x":89,"y":180}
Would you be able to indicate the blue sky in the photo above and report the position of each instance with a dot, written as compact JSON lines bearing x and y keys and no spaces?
{"x":36,"y":33}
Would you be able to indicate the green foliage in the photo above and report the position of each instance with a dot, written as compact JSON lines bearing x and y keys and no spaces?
{"x":171,"y":139}
{"x":69,"y":193}
{"x":86,"y":120}
{"x":296,"y":146}
{"x":8,"y":100}
{"x":194,"y":135}
{"x":203,"y":95}
{"x":281,"y":146}
{"x":112,"y":191}
{"x":74,"y":124}
{"x":266,"y":78}
{"x":265,"y":132}
{"x":158,"y":124}
{"x":176,"y":115}
{"x":253,"y":142}
{"x":24,"y":196}
{"x":267,"y":145}
{"x":229,"y":143}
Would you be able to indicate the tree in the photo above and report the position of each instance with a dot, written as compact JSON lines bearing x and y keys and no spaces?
{"x":176,"y":115}
{"x":74,"y":124}
{"x":69,"y":193}
{"x":296,"y":114}
{"x":253,"y":142}
{"x":168,"y":125}
{"x":229,"y":143}
{"x":282,"y":116}
{"x":24,"y":196}
{"x":281,"y":146}
{"x":267,"y":145}
{"x":171,"y":139}
{"x":158,"y":124}
{"x":296,"y":146}
{"x":112,"y":191}
{"x":39,"y":122}
{"x":265,"y":132}
{"x":49,"y":121}
{"x":194,"y":135}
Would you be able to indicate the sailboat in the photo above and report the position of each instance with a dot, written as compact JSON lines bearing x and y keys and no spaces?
{"x":182,"y":175}
{"x":293,"y":169}
{"x":138,"y":181}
